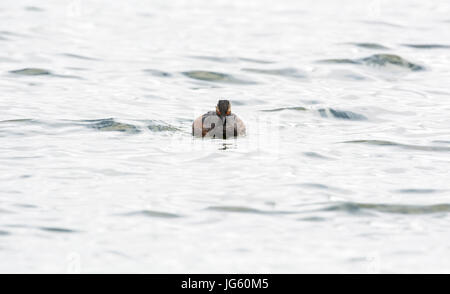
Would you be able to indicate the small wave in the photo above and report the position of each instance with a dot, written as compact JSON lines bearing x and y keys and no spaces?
{"x":152,"y":213}
{"x":57,"y":230}
{"x":405,"y":146}
{"x":385,"y":59}
{"x":371,"y":46}
{"x":24,"y":127}
{"x":316,"y":186}
{"x":76,"y":56}
{"x":325,"y":187}
{"x":353,"y":207}
{"x":341,"y":114}
{"x":325,"y":112}
{"x":40,"y":72}
{"x":210,"y":76}
{"x":4,"y":233}
{"x":104,"y":125}
{"x":383,"y":23}
{"x":253,"y":60}
{"x":286,"y":72}
{"x":21,"y":120}
{"x":298,"y":108}
{"x":25,"y":205}
{"x":243,"y":209}
{"x":215,"y":58}
{"x":31,"y":72}
{"x":418,"y":191}
{"x":427,"y":46}
{"x":155,"y":126}
{"x":339,"y":61}
{"x":6,"y":211}
{"x":230,"y":59}
{"x":34,"y":9}
{"x":157,"y":73}
{"x":346,"y":74}
{"x":313,"y":219}
{"x":381,"y":60}
{"x":110,"y":125}
{"x":315,"y":155}
{"x":11,"y":34}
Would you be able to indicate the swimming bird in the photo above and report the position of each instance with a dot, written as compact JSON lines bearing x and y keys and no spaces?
{"x":221,"y":124}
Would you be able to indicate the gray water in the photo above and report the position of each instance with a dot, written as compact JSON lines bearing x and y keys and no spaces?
{"x":344,"y":168}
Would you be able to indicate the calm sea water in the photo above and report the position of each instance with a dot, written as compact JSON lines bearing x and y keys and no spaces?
{"x":345,"y":167}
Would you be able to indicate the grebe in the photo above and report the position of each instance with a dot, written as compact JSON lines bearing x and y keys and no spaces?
{"x":221,"y":124}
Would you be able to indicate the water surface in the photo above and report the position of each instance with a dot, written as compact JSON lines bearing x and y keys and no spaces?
{"x":344,"y":169}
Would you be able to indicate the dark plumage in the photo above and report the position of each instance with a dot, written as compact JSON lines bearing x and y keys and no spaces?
{"x":219,"y":124}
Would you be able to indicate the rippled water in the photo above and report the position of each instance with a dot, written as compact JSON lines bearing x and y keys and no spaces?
{"x":344,"y":169}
